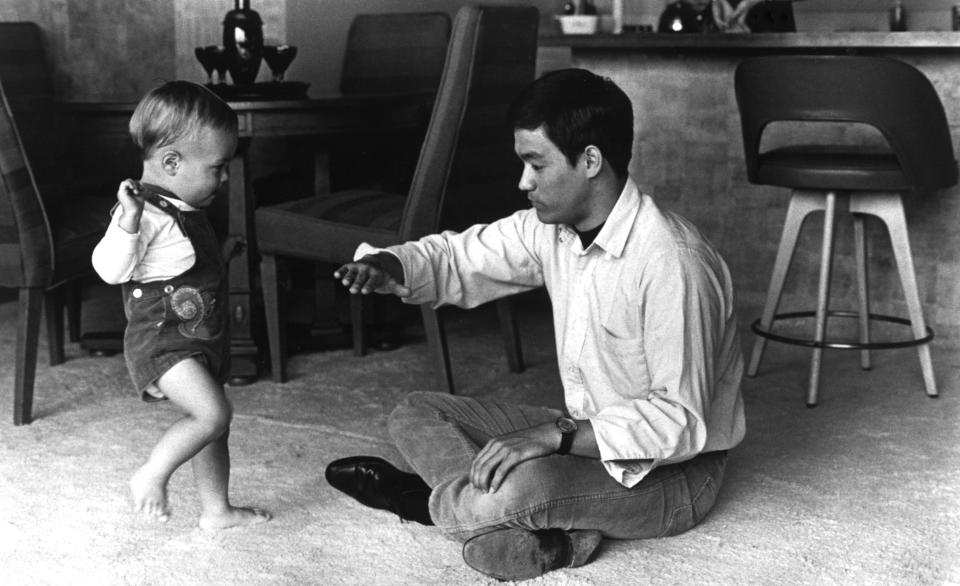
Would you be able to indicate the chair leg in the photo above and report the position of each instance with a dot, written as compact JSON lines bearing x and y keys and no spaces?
{"x":74,"y":310}
{"x":28,"y":338}
{"x":276,"y":337}
{"x":358,"y":324}
{"x":437,"y":341}
{"x":823,"y":295}
{"x":53,"y":308}
{"x":863,"y":291}
{"x":889,"y":208}
{"x":511,"y":334}
{"x":802,"y":204}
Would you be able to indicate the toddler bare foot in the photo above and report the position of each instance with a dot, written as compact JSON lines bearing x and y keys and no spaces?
{"x":149,"y":497}
{"x":233,"y":517}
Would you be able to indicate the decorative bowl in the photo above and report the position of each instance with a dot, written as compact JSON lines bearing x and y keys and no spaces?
{"x":578,"y":24}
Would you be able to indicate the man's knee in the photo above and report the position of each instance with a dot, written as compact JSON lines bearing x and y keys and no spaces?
{"x":412,"y":407}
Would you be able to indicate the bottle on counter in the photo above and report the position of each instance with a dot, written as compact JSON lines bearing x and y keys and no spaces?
{"x":569,"y":7}
{"x":898,"y":17}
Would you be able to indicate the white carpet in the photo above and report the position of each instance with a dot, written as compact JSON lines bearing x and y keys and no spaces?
{"x":864,"y":489}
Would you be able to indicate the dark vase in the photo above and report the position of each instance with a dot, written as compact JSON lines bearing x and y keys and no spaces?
{"x":243,"y":39}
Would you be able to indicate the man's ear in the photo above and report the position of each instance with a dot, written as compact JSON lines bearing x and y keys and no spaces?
{"x":170,"y":161}
{"x":593,"y":160}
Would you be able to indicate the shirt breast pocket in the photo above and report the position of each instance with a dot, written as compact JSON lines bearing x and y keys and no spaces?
{"x":620,"y":334}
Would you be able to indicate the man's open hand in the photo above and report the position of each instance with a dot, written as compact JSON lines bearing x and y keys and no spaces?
{"x":504,"y":452}
{"x":367,"y":275}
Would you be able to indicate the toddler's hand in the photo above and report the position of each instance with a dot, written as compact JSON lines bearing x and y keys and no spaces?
{"x":131,"y":200}
{"x":233,"y":245}
{"x":129,"y":196}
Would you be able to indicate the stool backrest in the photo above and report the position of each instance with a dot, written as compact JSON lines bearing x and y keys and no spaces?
{"x":889,"y":95}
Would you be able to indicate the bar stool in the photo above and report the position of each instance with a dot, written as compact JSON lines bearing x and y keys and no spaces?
{"x":897,"y":100}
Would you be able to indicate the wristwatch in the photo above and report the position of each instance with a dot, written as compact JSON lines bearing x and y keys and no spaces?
{"x":568,"y":429}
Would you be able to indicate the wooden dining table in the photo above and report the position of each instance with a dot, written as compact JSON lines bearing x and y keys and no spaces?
{"x":324,"y":118}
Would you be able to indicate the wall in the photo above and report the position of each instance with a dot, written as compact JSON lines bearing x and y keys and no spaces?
{"x":319,"y":29}
{"x":117,"y":49}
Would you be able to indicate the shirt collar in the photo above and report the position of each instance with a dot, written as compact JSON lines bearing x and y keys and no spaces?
{"x":613,"y":237}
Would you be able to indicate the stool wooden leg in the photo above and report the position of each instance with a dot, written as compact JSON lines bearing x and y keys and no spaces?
{"x":863,"y":291}
{"x":889,"y":208}
{"x":801,"y":205}
{"x":823,"y":295}
{"x":276,"y":338}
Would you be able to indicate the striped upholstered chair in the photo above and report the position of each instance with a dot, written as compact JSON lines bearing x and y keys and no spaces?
{"x":466,"y":173}
{"x":46,"y":233}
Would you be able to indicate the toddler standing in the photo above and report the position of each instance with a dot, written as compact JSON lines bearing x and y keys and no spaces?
{"x":161,"y":248}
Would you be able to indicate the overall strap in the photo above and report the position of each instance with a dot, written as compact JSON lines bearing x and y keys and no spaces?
{"x":165,"y":206}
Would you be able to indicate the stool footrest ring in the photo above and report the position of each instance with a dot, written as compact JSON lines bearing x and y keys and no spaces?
{"x":755,"y":326}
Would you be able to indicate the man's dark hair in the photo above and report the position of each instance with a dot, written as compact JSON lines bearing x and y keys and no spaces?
{"x":578,"y":108}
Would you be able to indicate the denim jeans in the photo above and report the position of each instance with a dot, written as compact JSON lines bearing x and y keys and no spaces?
{"x":439,"y":435}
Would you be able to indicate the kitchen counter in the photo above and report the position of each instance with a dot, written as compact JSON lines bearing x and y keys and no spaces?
{"x":806,"y":42}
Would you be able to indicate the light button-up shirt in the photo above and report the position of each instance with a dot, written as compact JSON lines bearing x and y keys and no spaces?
{"x":646,"y":333}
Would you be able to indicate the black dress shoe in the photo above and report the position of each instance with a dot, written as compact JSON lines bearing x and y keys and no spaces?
{"x":376,"y":483}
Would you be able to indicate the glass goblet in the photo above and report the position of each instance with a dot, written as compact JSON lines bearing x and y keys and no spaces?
{"x":221,"y":62}
{"x":279,"y":58}
{"x":206,"y":58}
{"x":213,"y":58}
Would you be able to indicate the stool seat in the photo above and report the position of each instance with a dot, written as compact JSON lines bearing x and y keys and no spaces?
{"x":830,"y":178}
{"x":836,"y":167}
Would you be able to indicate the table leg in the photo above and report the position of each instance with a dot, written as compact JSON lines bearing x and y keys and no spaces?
{"x":244,"y":353}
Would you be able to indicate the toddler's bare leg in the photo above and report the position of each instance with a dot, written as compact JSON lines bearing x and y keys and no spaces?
{"x":188,"y":386}
{"x":211,"y":468}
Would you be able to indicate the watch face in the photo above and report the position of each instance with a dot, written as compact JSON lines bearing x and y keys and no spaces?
{"x":566,"y":425}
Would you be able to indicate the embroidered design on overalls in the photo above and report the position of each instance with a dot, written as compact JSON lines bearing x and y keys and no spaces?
{"x":188,"y":304}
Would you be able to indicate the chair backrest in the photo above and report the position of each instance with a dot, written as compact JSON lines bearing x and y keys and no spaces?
{"x":26,"y":246}
{"x":467,"y":171}
{"x":25,"y":73}
{"x":889,"y":95}
{"x":392,"y":52}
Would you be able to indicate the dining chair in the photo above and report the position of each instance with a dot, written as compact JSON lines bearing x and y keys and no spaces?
{"x":825,"y":175}
{"x":47,"y":233}
{"x":466,"y":173}
{"x":395,"y":51}
{"x":387,"y":53}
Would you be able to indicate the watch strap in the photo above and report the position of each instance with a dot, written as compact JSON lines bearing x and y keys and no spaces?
{"x":566,"y":441}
